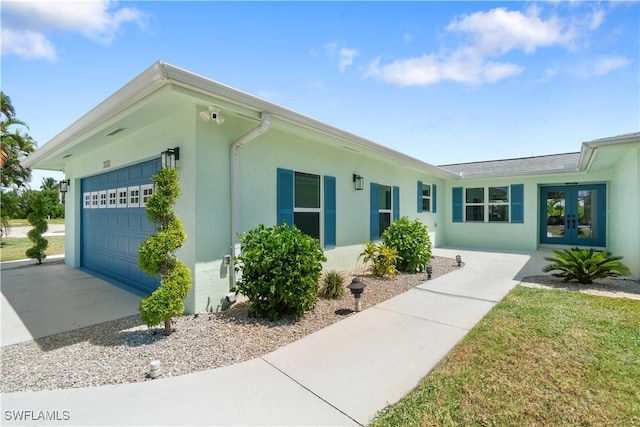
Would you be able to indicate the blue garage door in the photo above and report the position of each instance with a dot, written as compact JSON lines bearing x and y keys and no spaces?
{"x":114,"y":223}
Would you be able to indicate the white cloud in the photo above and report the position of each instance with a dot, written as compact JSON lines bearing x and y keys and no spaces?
{"x":606,"y":65}
{"x":27,"y":44}
{"x":29,"y":22}
{"x":486,"y":37}
{"x":344,"y":56}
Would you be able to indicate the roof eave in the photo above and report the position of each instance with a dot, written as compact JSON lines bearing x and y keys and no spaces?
{"x":589,"y":147}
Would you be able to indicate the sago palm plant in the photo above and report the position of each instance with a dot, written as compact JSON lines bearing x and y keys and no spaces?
{"x":585,"y":265}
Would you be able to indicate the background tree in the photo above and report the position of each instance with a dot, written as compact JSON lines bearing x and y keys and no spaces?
{"x":157,"y":254}
{"x":49,"y":184}
{"x":39,"y":223}
{"x":14,"y":147}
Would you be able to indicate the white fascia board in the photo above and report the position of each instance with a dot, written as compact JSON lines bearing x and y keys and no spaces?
{"x":589,"y":147}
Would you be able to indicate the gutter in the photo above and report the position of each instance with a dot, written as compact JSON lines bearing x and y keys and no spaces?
{"x":234,"y":152}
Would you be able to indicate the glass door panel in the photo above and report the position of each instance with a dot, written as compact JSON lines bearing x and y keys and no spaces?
{"x":573,"y":215}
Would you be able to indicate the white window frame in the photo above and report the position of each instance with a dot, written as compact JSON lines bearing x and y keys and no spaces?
{"x":426,"y":187}
{"x":385,"y":211}
{"x":94,"y":200}
{"x":122,"y":197}
{"x":102,"y":199}
{"x":112,"y":198}
{"x":486,"y":204}
{"x":146,"y":191}
{"x":133,"y":196}
{"x":319,"y":210}
{"x":86,"y":197}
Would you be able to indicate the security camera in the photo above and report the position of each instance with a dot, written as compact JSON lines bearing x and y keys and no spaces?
{"x":212,"y":115}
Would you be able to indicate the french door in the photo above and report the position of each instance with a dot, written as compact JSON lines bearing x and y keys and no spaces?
{"x":573,"y":215}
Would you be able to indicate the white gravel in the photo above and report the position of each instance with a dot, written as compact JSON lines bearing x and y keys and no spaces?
{"x":120,"y":351}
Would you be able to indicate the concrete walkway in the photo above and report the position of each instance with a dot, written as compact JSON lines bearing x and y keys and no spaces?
{"x":340,"y":375}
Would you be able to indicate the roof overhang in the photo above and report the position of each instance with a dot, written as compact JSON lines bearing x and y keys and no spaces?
{"x":159,"y":76}
{"x":590,"y":149}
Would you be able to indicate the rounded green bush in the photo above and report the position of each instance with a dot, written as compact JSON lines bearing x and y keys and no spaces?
{"x":280,"y":268}
{"x":411,"y":240}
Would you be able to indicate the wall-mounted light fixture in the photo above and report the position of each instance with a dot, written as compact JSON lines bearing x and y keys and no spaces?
{"x":63,"y":186}
{"x":358,"y":182}
{"x":170,"y":156}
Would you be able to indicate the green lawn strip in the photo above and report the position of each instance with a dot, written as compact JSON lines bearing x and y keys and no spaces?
{"x":540,"y":357}
{"x":25,"y":223}
{"x":14,"y":248}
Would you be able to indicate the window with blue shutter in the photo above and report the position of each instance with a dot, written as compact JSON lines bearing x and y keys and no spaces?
{"x":329,"y":212}
{"x":285,"y":196}
{"x":396,"y":203}
{"x":420,"y":196}
{"x":517,"y":203}
{"x":456,"y":204}
{"x":373,"y":218}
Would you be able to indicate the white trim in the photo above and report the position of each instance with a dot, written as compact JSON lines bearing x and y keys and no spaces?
{"x":122,"y":197}
{"x":102,"y":199}
{"x":112,"y":192}
{"x":133,"y":196}
{"x":146,"y":191}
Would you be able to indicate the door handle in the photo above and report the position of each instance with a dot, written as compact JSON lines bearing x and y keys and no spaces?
{"x":574,"y":222}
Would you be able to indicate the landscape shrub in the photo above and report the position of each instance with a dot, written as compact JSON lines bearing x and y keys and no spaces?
{"x":38,"y":220}
{"x":585,"y":265}
{"x":332,"y":285}
{"x":280,"y":268}
{"x":157,"y":254}
{"x":383,"y":259}
{"x":412,"y":243}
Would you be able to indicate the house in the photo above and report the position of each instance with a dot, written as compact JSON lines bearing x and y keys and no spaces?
{"x":245,"y":161}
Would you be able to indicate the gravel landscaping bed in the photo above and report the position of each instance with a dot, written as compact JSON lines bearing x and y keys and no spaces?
{"x":120,"y":351}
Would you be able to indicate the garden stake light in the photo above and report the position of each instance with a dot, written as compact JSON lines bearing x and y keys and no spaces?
{"x":357,"y":288}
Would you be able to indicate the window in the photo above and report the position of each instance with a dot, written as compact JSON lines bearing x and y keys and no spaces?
{"x":87,"y":200}
{"x":112,"y":198}
{"x":134,"y":197}
{"x":306,"y":208}
{"x":490,"y":204}
{"x":147,"y":191}
{"x":94,"y":199}
{"x":426,"y":198}
{"x":384,"y":208}
{"x":122,"y":197}
{"x":103,"y":199}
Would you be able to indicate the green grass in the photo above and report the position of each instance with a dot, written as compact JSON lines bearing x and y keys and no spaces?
{"x":25,"y":223}
{"x":14,"y":248}
{"x":540,"y":357}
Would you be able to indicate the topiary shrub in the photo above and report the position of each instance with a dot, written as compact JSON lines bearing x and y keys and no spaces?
{"x":585,"y":265}
{"x":157,"y":254}
{"x":37,"y":219}
{"x":333,"y":285}
{"x":411,"y":240}
{"x":280,"y":268}
{"x":383,"y":259}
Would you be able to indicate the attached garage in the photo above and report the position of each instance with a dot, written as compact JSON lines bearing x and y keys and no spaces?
{"x":114,"y":223}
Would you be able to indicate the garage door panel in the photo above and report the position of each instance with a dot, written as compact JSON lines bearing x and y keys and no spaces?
{"x":111,"y":237}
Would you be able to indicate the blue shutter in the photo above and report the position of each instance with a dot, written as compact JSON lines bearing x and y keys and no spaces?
{"x":374,"y":221}
{"x":419,"y":196}
{"x":434,"y":198}
{"x":285,"y":196}
{"x":329,"y":212}
{"x":396,"y":203}
{"x":456,"y":208}
{"x":517,"y":204}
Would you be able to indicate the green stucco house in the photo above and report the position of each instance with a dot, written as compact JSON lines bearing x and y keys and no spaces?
{"x":245,"y":161}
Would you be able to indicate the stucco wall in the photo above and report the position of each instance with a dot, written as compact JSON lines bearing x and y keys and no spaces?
{"x":507,"y":236}
{"x":625,"y":208}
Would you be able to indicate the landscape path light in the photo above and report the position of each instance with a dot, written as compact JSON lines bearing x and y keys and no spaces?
{"x":459,"y":260}
{"x":429,"y":271}
{"x":357,"y":288}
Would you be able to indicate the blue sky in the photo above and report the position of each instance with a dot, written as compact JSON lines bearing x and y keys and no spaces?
{"x":446,"y":82}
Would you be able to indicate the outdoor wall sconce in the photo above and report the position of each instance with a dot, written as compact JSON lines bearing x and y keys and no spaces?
{"x":429,"y":271}
{"x":170,"y":156}
{"x":358,"y":182}
{"x":459,"y":260}
{"x":357,"y":288}
{"x":63,"y":186}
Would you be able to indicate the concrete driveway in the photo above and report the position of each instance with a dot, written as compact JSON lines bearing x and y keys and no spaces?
{"x":42,"y":300}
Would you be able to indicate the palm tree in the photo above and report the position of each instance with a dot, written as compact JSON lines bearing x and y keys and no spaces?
{"x":14,"y":147}
{"x":49,"y":184}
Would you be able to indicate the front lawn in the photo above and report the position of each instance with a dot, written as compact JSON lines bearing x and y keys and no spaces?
{"x":540,"y":357}
{"x":14,"y":248}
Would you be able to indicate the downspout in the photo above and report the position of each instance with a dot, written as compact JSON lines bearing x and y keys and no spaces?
{"x":265,"y":122}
